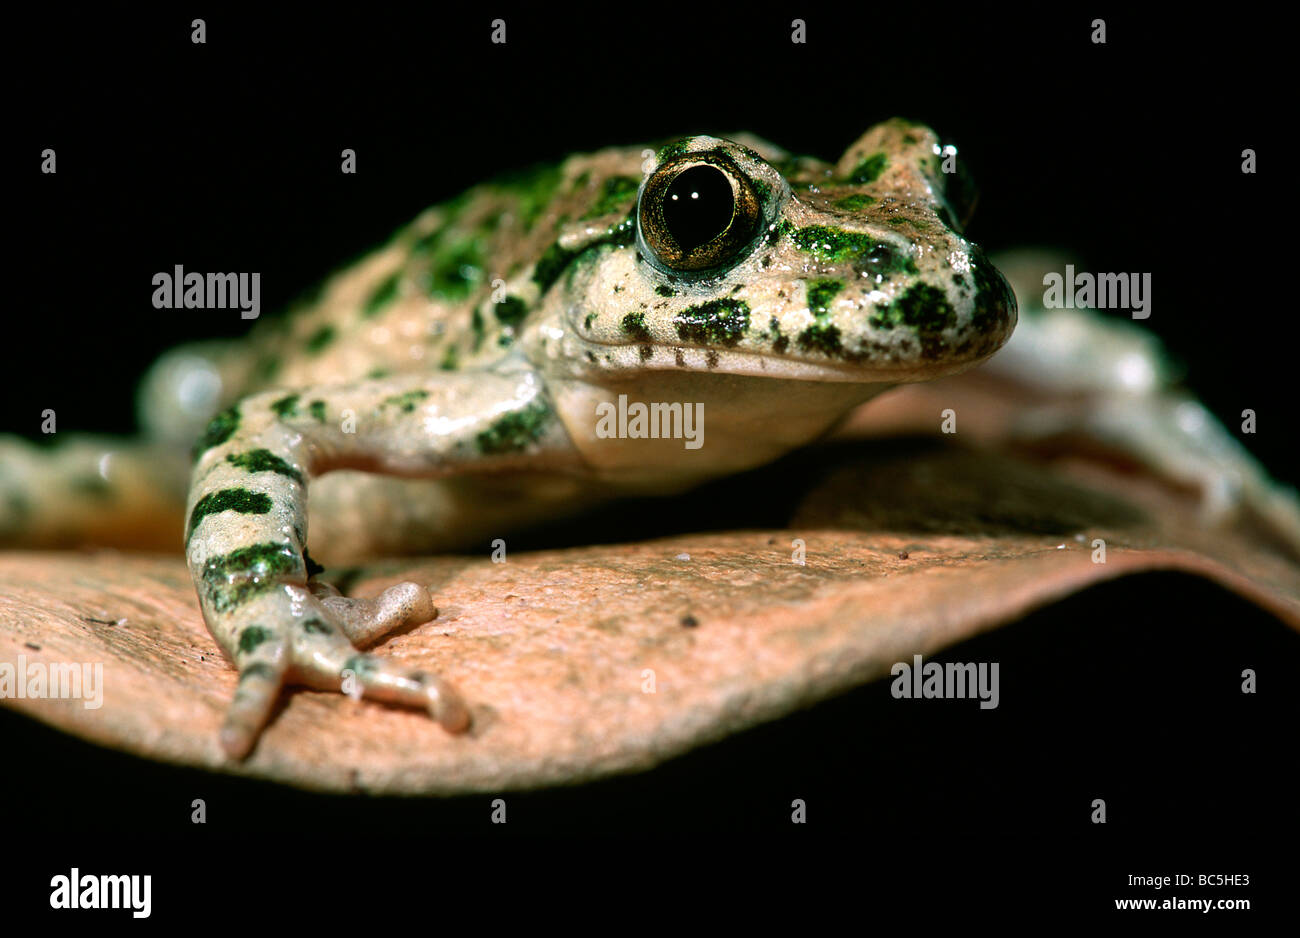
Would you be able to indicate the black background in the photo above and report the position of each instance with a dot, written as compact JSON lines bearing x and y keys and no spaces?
{"x":225,"y":157}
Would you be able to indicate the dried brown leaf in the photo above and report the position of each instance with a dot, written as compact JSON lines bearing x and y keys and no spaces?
{"x":909,"y":551}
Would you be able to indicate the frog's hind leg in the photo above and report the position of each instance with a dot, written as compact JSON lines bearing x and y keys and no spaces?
{"x":119,"y":491}
{"x":1106,"y":382}
{"x":91,"y":490}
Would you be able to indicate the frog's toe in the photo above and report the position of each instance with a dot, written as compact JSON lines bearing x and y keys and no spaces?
{"x":329,"y":661}
{"x":260,"y":680}
{"x":325,"y":655}
{"x":365,"y":620}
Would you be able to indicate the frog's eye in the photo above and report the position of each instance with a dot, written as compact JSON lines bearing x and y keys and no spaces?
{"x":698,"y":213}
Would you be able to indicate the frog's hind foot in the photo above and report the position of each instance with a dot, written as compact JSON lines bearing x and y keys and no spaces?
{"x":316,"y":645}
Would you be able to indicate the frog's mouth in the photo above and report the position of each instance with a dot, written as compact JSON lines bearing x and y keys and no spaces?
{"x":633,"y":358}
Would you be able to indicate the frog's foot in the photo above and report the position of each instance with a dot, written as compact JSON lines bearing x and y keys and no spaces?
{"x":315,"y":644}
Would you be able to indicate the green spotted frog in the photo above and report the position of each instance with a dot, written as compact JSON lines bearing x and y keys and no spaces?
{"x":528,"y":348}
{"x":464,"y":369}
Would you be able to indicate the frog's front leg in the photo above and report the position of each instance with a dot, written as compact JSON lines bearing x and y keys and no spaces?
{"x":246,"y":536}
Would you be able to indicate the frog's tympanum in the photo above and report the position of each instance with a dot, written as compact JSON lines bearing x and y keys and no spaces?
{"x":460,"y":380}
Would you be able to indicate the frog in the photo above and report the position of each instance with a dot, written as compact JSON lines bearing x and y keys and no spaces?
{"x":457,"y":382}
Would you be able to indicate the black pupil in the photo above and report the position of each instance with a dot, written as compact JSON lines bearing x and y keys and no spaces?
{"x":698,"y":206}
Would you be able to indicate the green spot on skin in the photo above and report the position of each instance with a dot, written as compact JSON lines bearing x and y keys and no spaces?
{"x":407,"y":400}
{"x":263,"y":460}
{"x":253,"y":636}
{"x":718,"y":322}
{"x":319,"y":339}
{"x":779,"y":342}
{"x":922,"y":307}
{"x":586,"y":323}
{"x":514,"y":431}
{"x":821,"y":293}
{"x":555,"y":260}
{"x":384,"y":294}
{"x":855,"y":203}
{"x":821,"y":338}
{"x":456,"y":269}
{"x":233,"y":578}
{"x":762,"y":188}
{"x":476,"y":324}
{"x":378,"y":373}
{"x":316,"y":626}
{"x":550,"y":265}
{"x":614,"y":196}
{"x":317,"y":411}
{"x":869,"y":170}
{"x":511,"y":311}
{"x":220,"y":429}
{"x":582,"y":260}
{"x":665,"y":291}
{"x":450,"y":359}
{"x":286,"y":406}
{"x":836,"y":244}
{"x":240,"y":500}
{"x":634,"y":325}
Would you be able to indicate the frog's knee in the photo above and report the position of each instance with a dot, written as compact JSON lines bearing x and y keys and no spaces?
{"x":187,"y":386}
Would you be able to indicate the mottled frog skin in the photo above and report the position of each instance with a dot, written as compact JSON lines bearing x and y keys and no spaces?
{"x":448,"y":386}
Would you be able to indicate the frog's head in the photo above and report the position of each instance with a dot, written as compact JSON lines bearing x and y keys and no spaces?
{"x":739,"y":259}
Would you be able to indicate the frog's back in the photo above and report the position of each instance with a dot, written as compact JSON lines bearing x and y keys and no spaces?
{"x":452,"y":289}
